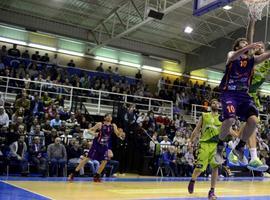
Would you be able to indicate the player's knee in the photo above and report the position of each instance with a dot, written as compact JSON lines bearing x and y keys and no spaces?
{"x":253,"y":120}
{"x":231,"y":121}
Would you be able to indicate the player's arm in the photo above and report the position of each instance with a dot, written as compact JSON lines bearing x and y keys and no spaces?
{"x":117,"y":132}
{"x":196,"y":131}
{"x":233,"y":55}
{"x":93,"y":130}
{"x":250,"y":30}
{"x":261,"y":58}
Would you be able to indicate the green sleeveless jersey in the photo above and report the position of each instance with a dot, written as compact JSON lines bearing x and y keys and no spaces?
{"x":210,"y":127}
{"x":261,"y":72}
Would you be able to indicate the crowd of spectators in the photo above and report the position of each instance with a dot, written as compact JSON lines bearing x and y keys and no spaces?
{"x":183,"y":92}
{"x":43,"y":132}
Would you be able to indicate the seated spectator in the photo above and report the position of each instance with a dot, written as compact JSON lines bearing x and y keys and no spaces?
{"x":141,"y":118}
{"x":169,"y":161}
{"x":71,"y":64}
{"x":47,"y":101}
{"x":179,"y":139}
{"x":100,"y":68}
{"x":37,"y":132}
{"x":36,"y":56}
{"x":64,"y":113}
{"x":14,"y":51}
{"x":39,"y":78}
{"x":36,"y":106}
{"x":33,"y":70}
{"x":18,"y":113}
{"x":84,"y":124}
{"x":72,"y":121}
{"x":37,"y":155}
{"x":66,"y":137}
{"x":56,"y":122}
{"x":27,"y":82}
{"x":52,"y":111}
{"x":189,"y":157}
{"x":19,"y":131}
{"x":18,"y":122}
{"x":59,"y":100}
{"x":18,"y":150}
{"x":35,"y":122}
{"x":4,"y":119}
{"x":23,"y":102}
{"x":57,"y":157}
{"x":26,"y":55}
{"x":51,"y":136}
{"x":165,"y":143}
{"x":85,"y":81}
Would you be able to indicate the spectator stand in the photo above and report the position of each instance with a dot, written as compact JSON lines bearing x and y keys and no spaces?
{"x":97,"y":102}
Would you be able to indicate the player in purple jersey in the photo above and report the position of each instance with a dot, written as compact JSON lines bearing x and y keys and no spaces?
{"x":100,"y":148}
{"x":234,"y":95}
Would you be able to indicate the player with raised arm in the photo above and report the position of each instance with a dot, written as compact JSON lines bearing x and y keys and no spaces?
{"x":99,"y":151}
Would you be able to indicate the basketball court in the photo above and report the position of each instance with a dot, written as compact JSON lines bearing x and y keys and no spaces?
{"x":131,"y":188}
{"x":147,"y":188}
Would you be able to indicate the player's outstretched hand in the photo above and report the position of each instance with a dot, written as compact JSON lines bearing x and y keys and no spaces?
{"x":257,"y":45}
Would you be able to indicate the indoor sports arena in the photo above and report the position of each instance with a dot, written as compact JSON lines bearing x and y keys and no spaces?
{"x":134,"y":99}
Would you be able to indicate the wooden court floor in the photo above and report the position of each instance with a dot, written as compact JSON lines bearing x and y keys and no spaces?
{"x":137,"y":188}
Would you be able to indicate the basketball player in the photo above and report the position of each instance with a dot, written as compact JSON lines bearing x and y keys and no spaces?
{"x":234,"y":96}
{"x":100,"y":148}
{"x":209,"y":126}
{"x":261,"y":71}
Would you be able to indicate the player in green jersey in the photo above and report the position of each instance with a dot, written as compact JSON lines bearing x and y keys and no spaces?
{"x":209,"y":126}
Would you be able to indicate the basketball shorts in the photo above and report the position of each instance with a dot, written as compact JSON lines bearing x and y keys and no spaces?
{"x":236,"y":103}
{"x":205,"y":156}
{"x":98,"y":152}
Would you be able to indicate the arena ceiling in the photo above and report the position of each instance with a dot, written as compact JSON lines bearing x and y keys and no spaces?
{"x":110,"y":19}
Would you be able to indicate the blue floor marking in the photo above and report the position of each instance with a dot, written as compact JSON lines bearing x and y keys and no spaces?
{"x":140,"y":179}
{"x":10,"y":192}
{"x":219,"y":198}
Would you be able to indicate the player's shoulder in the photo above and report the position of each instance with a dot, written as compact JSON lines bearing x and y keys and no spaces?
{"x":99,"y":124}
{"x":230,"y":54}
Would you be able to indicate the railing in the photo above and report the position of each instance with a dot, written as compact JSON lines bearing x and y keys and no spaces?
{"x":196,"y":112}
{"x":15,"y":61}
{"x":96,"y":101}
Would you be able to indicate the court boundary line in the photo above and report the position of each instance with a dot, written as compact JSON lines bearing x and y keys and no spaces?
{"x":47,"y":197}
{"x":139,"y":179}
{"x":192,"y":198}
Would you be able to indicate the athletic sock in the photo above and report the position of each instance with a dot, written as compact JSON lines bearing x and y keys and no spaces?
{"x":253,"y":153}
